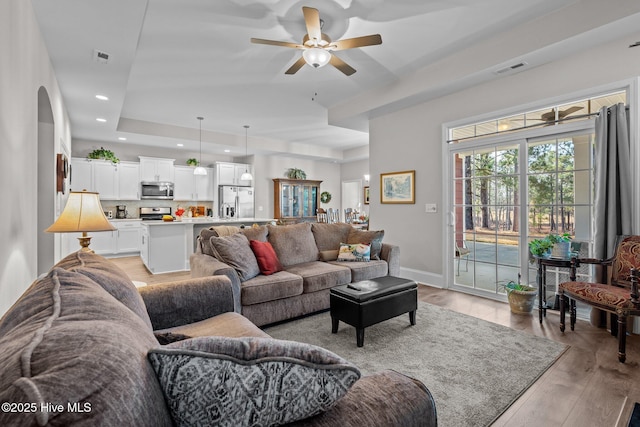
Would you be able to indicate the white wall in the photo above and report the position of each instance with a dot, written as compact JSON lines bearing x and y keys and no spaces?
{"x":24,"y":68}
{"x":268,"y":167}
{"x":418,"y":134}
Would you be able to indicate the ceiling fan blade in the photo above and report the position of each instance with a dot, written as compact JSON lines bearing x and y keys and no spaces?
{"x":296,"y":66}
{"x":551,"y":115}
{"x":312,"y":20}
{"x":276,"y":43}
{"x":371,"y":40}
{"x":564,"y":113}
{"x":341,"y":65}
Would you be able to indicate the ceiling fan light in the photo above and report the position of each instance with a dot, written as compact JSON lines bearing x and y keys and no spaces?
{"x":316,"y":57}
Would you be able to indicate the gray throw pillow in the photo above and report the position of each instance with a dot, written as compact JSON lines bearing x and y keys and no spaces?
{"x":235,"y":251}
{"x":370,"y":237}
{"x":249,"y":381}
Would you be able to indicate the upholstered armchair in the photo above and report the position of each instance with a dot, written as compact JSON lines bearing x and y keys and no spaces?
{"x":619,"y":296}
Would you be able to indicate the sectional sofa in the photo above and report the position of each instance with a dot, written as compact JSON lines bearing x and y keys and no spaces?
{"x":81,"y":347}
{"x":308,"y":255}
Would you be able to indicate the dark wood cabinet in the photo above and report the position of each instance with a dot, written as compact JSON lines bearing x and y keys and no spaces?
{"x":295,"y":200}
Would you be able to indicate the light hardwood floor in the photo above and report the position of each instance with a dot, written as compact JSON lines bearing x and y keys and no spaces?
{"x":587,"y":386}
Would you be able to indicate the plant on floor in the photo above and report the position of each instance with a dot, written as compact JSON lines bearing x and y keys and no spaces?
{"x":102,"y":153}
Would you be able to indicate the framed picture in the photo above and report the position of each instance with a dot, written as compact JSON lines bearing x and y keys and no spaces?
{"x":366,"y":195}
{"x":398,"y":187}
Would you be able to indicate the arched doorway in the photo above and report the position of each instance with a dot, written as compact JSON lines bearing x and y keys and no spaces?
{"x":46,"y":182}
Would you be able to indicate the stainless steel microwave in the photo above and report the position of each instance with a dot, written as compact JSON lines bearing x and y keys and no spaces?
{"x":156,"y":190}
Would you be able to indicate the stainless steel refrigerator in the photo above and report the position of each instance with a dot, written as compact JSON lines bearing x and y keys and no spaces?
{"x":235,"y":202}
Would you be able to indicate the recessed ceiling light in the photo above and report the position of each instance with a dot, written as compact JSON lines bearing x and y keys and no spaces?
{"x":101,"y":120}
{"x":227,"y":151}
{"x":122,"y":138}
{"x":180,"y":145}
{"x":102,"y":97}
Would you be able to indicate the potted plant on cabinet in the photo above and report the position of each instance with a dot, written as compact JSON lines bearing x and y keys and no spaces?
{"x":192,"y":162}
{"x":521,"y":297}
{"x":102,"y":153}
{"x":293,"y":173}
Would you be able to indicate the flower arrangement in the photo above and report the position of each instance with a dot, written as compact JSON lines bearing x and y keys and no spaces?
{"x":180,"y":211}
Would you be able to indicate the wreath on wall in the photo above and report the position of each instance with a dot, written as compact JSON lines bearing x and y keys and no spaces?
{"x":325,"y":197}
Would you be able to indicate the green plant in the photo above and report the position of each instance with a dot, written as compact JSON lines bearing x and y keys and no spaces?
{"x":517,"y":286}
{"x":102,"y":153}
{"x":293,"y":173}
{"x":539,"y":247}
{"x":192,"y":162}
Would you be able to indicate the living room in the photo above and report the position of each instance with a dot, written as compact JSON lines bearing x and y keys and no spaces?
{"x":411,"y":115}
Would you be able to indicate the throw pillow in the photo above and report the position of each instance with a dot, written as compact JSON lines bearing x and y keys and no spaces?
{"x":371,"y":237}
{"x":294,"y":243}
{"x":235,"y":251}
{"x":249,"y":381}
{"x":165,"y":338}
{"x":266,"y":257}
{"x":329,"y":255}
{"x":354,"y":252}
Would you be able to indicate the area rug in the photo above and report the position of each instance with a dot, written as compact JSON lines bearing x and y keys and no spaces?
{"x":474,"y":369}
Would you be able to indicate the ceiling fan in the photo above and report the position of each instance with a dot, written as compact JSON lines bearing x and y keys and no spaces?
{"x":317,"y":47}
{"x":550,"y":116}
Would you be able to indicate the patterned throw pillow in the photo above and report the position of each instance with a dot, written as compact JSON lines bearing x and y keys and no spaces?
{"x":372,"y":237}
{"x":249,"y":381}
{"x":354,"y":252}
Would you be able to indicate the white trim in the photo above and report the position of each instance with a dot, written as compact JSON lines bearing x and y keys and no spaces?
{"x":420,"y":276}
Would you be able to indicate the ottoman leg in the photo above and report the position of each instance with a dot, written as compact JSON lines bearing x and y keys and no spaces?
{"x":334,"y":325}
{"x":412,"y":317}
{"x":360,"y":336}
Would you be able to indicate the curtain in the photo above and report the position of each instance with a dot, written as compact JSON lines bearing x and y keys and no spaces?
{"x":612,"y":204}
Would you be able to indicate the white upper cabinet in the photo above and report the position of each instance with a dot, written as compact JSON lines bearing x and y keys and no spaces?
{"x":113,"y":181}
{"x":156,"y":169}
{"x":230,"y":173}
{"x":192,"y":187}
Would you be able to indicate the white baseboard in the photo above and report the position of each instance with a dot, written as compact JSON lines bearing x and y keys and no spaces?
{"x":420,"y":276}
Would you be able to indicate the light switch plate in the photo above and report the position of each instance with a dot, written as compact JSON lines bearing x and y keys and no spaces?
{"x":431,"y":208}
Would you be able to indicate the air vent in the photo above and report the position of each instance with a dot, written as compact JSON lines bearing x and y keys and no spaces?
{"x":100,"y":56}
{"x":510,"y":68}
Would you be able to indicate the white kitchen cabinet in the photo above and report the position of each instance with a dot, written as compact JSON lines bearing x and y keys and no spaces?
{"x":128,"y":181}
{"x":144,"y":245}
{"x":113,"y":181}
{"x":128,"y":236}
{"x":156,"y":169}
{"x":190,"y":187}
{"x":230,"y":173}
{"x":105,"y":179}
{"x":81,"y":175}
{"x":165,"y":246}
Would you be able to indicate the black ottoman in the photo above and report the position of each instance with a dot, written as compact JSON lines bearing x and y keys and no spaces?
{"x":368,"y":302}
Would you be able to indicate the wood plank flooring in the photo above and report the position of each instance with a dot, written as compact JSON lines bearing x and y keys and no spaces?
{"x":587,"y":386}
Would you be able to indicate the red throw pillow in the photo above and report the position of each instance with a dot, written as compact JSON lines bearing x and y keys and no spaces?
{"x":266,"y":257}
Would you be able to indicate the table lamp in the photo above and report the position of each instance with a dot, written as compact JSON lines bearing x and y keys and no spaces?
{"x":82,"y":213}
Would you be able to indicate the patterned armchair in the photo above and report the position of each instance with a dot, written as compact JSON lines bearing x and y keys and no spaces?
{"x":619,"y":297}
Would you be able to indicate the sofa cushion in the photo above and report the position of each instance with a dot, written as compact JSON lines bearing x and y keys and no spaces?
{"x":372,"y":237}
{"x":229,"y":324}
{"x":258,"y":233}
{"x":318,"y":275}
{"x":350,"y":252}
{"x":269,"y":288}
{"x":330,"y":255}
{"x":249,"y":381}
{"x":235,"y":251}
{"x":329,"y":236}
{"x":110,"y":277}
{"x":217,"y":231}
{"x":265,"y":255}
{"x":75,"y":343}
{"x":365,"y":270}
{"x":294,"y":244}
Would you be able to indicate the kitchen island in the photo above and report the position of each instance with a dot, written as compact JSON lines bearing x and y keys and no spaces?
{"x":167,"y":245}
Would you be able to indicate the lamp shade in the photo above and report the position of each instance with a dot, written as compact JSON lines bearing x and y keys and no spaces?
{"x":316,"y":57}
{"x":82,"y":213}
{"x":246,"y":176}
{"x":199,"y":171}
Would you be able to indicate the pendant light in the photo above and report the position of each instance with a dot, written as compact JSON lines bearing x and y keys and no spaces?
{"x":246,"y":176}
{"x":200,"y":170}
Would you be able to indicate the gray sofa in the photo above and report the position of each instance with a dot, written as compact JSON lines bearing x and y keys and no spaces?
{"x":308,"y":253}
{"x":76,"y":349}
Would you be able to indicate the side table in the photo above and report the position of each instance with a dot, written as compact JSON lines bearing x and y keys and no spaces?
{"x":541,"y":278}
